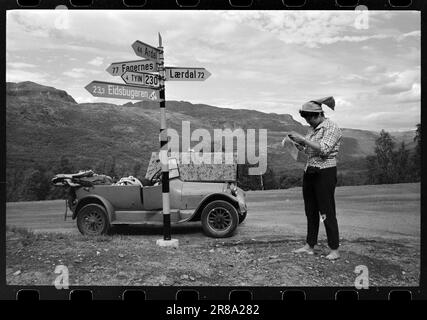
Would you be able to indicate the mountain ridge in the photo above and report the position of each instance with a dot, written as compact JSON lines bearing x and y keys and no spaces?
{"x":45,"y":123}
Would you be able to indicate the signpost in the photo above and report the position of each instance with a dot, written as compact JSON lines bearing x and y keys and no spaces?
{"x":118,"y":68}
{"x":120,"y":91}
{"x":163,"y":155}
{"x":141,"y":78}
{"x":186,"y":74}
{"x":143,"y":84}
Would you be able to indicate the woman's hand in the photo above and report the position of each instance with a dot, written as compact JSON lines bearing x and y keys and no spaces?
{"x":283,"y":142}
{"x":299,"y":147}
{"x":297,"y":138}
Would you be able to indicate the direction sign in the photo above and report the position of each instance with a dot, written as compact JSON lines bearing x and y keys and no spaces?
{"x":120,"y":91}
{"x":146,"y":51}
{"x":186,"y":74}
{"x":118,"y":68}
{"x":141,"y":78}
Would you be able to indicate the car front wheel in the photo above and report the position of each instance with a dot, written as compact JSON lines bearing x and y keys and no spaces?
{"x":242,"y":217}
{"x":92,"y":220}
{"x":219,"y":219}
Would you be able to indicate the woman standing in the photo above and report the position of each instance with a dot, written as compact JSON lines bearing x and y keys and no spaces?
{"x":321,"y":144}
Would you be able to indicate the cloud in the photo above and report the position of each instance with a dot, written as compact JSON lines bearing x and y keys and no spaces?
{"x":16,"y":75}
{"x":76,"y":73}
{"x":343,"y":103}
{"x":415,"y":34}
{"x":98,"y":61}
{"x":19,"y":65}
{"x":311,"y":29}
{"x":400,"y":82}
{"x":375,"y":69}
{"x":316,"y":28}
{"x":393,"y":120}
{"x":413,"y":95}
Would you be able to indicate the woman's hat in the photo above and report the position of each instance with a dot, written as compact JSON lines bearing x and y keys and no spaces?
{"x":316,"y":105}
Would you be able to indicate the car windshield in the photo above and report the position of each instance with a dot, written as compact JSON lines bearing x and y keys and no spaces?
{"x":173,"y":168}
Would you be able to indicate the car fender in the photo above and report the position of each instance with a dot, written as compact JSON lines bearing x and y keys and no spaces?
{"x":93,"y":198}
{"x":212,"y":197}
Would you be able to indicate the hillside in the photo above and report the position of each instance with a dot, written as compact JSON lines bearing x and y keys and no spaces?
{"x":44,"y":124}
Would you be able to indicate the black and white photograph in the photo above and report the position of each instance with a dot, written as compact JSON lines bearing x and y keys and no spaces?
{"x":244,"y":148}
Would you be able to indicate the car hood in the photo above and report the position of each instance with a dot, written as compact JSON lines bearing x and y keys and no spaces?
{"x":198,"y":187}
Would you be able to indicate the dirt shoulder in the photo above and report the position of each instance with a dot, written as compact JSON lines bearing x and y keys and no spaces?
{"x":260,"y":261}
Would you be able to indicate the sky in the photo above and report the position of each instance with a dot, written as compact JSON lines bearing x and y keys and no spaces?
{"x":271,"y":61}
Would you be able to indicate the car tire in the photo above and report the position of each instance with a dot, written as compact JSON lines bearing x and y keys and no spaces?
{"x":219,"y":219}
{"x":242,"y":217}
{"x":92,"y":220}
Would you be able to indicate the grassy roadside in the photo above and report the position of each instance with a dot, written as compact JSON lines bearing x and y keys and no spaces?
{"x":136,"y":260}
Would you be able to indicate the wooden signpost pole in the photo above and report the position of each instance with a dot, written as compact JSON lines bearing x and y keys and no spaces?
{"x":164,"y":159}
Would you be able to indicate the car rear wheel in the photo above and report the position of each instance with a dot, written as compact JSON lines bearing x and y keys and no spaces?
{"x":219,"y":219}
{"x":92,"y":220}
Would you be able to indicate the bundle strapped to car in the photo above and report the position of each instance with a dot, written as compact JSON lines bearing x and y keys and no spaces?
{"x":83,"y":178}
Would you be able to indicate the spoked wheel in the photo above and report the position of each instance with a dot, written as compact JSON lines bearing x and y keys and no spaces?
{"x":219,"y":219}
{"x":92,"y":220}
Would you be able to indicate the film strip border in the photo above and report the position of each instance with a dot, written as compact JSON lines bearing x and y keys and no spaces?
{"x":216,"y":4}
{"x":204,"y":294}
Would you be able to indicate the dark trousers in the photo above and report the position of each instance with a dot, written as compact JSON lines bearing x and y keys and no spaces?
{"x":319,"y":196}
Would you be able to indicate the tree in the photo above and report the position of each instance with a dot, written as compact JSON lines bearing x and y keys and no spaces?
{"x":389,"y":166}
{"x":137,"y":169}
{"x":416,"y":158}
{"x":381,"y":166}
{"x":37,"y":184}
{"x":65,"y":165}
{"x":401,"y":164}
{"x":269,"y":180}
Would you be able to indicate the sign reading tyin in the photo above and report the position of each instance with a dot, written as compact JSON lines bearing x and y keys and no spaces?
{"x":118,"y":68}
{"x":141,"y":78}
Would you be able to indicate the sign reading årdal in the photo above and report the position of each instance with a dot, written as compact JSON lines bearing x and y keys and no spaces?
{"x":146,"y":51}
{"x":118,"y":68}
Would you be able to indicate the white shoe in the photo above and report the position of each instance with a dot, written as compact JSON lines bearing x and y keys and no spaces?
{"x":306,"y":249}
{"x":333,"y":255}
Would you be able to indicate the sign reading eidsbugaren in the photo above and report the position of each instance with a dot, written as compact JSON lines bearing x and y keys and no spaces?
{"x":119,"y":91}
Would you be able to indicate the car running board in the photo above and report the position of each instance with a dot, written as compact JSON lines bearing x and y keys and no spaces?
{"x":141,"y":217}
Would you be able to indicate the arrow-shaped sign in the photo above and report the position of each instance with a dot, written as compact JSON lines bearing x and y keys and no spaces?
{"x":141,"y":78}
{"x":186,"y":74}
{"x":118,"y":68}
{"x":146,"y":51}
{"x":120,"y":91}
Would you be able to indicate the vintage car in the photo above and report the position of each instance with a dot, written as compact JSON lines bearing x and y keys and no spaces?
{"x":98,"y":204}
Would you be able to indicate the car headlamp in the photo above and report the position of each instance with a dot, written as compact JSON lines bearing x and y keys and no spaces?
{"x":233,"y":189}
